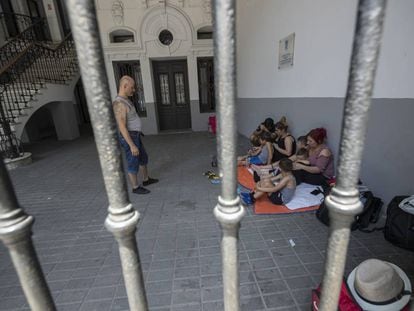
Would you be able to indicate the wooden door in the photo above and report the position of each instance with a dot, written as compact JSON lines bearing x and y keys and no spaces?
{"x":172,"y":94}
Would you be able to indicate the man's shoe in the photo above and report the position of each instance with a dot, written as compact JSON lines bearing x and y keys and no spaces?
{"x":150,"y":181}
{"x":140,"y":190}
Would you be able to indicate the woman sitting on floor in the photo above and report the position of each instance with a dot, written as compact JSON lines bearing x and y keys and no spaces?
{"x":285,"y":144}
{"x":280,"y":193}
{"x":321,"y":160}
{"x":268,"y":126}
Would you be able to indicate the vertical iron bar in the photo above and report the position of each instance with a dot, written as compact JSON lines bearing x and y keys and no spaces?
{"x":122,"y":219}
{"x":343,"y":202}
{"x":228,"y":211}
{"x":15,"y":231}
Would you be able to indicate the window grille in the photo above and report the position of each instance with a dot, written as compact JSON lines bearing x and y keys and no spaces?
{"x":205,"y":66}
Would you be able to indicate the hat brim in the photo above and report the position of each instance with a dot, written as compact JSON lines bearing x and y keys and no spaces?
{"x":395,"y":306}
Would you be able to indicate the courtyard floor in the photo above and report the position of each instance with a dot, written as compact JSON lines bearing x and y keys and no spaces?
{"x":178,"y":237}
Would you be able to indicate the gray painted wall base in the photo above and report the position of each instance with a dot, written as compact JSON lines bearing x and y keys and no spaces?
{"x":387,"y":165}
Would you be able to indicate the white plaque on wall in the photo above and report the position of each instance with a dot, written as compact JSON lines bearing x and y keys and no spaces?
{"x":286,"y":51}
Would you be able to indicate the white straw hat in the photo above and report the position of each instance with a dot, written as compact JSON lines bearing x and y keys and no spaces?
{"x":379,"y":286}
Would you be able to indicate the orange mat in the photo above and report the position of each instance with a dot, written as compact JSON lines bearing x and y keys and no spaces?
{"x":263,"y":205}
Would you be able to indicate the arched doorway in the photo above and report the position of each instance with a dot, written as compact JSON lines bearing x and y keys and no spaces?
{"x":40,"y":126}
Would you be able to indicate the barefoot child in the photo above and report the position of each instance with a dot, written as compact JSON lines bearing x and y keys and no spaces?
{"x":280,"y":193}
{"x":260,"y":156}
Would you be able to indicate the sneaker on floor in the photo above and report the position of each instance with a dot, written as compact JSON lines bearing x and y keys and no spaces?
{"x":140,"y":190}
{"x":150,"y":181}
{"x":246,"y":198}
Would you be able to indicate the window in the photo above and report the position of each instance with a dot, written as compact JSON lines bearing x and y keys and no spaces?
{"x":206,"y":84}
{"x":133,"y":69}
{"x":121,"y":36}
{"x":166,"y":37}
{"x":205,"y":33}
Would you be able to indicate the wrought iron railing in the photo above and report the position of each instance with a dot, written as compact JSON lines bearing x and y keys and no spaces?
{"x":12,"y":24}
{"x":36,"y":32}
{"x":25,"y":65}
{"x":343,"y":203}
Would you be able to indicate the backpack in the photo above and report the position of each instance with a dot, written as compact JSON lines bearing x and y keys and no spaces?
{"x":346,"y":301}
{"x":399,"y":226}
{"x":369,"y":215}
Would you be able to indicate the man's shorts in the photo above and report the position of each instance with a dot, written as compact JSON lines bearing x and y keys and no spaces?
{"x":133,"y":161}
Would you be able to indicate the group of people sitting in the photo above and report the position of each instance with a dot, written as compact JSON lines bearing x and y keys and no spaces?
{"x":280,"y":162}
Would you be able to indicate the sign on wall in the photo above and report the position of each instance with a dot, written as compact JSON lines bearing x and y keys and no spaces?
{"x":286,"y":51}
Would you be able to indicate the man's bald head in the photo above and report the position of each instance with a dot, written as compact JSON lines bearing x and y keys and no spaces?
{"x":126,"y":80}
{"x":126,"y":86}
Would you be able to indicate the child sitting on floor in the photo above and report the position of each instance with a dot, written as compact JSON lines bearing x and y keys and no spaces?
{"x":301,"y":142}
{"x":280,"y":193}
{"x":302,"y":156}
{"x":261,"y":155}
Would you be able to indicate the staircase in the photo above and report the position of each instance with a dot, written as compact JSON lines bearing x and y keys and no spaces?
{"x":27,"y":66}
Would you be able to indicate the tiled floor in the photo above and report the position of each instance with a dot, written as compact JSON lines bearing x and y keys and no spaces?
{"x":178,"y":237}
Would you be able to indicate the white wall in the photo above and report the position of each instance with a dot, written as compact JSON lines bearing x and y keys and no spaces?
{"x":324,"y":32}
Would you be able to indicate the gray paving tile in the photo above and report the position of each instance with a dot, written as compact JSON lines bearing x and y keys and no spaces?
{"x":101,"y":293}
{"x":212,"y":294}
{"x":251,"y":303}
{"x":159,"y":300}
{"x":159,"y":287}
{"x":300,"y":282}
{"x":189,"y":283}
{"x":69,"y":307}
{"x":120,"y":304}
{"x":273,"y":286}
{"x":101,"y":305}
{"x":279,"y":300}
{"x":213,"y":306}
{"x":186,"y":296}
{"x":71,"y":296}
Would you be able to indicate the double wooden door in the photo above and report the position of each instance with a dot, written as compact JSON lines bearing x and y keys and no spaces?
{"x":172,"y":94}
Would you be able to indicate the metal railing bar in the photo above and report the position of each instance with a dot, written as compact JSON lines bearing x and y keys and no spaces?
{"x":122,"y":217}
{"x":343,"y":202}
{"x":228,"y":211}
{"x":15,"y":232}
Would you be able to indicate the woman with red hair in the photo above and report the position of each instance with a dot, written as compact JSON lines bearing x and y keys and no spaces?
{"x":321,"y":167}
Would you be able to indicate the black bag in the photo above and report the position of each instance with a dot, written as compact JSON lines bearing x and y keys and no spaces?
{"x":399,"y":227}
{"x":369,"y":215}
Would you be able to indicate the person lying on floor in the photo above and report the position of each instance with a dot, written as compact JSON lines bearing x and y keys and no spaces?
{"x":280,"y":193}
{"x":260,"y":156}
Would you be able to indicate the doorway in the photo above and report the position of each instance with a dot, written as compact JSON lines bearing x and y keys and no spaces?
{"x":172,"y":94}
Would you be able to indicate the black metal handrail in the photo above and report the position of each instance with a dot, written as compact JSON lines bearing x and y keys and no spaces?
{"x":12,"y":24}
{"x":30,"y":64}
{"x":37,"y":32}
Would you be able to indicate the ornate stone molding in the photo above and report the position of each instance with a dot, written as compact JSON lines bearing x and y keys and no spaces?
{"x":117,"y":11}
